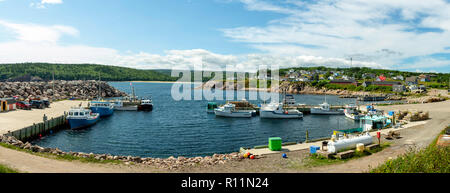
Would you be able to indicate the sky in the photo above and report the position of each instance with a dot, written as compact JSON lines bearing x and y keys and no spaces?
{"x":407,"y":35}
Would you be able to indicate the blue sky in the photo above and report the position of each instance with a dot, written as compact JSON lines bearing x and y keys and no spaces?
{"x":244,"y":34}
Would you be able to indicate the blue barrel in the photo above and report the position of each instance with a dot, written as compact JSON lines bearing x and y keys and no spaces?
{"x":313,"y":149}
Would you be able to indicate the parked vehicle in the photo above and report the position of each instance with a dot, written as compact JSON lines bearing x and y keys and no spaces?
{"x":23,"y":105}
{"x":37,"y":104}
{"x":46,"y":103}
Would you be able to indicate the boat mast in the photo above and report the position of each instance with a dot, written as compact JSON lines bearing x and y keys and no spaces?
{"x":99,"y":87}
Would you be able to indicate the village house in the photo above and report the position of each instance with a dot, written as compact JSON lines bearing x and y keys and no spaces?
{"x":368,"y":75}
{"x":412,"y":80}
{"x":399,"y":88}
{"x":424,"y":78}
{"x":399,"y":77}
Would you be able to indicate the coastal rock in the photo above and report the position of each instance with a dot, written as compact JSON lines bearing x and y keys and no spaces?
{"x":62,"y":90}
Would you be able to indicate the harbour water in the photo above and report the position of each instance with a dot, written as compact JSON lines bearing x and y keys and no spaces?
{"x":183,"y":128}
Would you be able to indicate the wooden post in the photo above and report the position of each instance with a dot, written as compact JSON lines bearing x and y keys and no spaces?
{"x":306,"y":141}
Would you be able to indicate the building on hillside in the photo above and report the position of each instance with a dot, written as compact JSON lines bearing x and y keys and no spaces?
{"x":344,"y":82}
{"x":399,"y":77}
{"x":412,"y":80}
{"x":399,"y":88}
{"x":7,"y":104}
{"x":368,"y":75}
{"x":424,"y":78}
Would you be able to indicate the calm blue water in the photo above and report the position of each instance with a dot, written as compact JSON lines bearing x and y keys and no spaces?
{"x":183,"y":128}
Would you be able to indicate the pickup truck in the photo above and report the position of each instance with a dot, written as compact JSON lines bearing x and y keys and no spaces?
{"x":37,"y":104}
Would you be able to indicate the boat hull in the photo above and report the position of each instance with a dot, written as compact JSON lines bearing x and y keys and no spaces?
{"x":145,"y":107}
{"x":102,"y":111}
{"x":76,"y":124}
{"x":274,"y":115}
{"x":354,"y":117}
{"x":126,"y":108}
{"x":316,"y":111}
{"x":233,"y":114}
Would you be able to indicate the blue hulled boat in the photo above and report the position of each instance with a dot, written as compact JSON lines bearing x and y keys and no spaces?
{"x":102,"y":108}
{"x":80,"y":118}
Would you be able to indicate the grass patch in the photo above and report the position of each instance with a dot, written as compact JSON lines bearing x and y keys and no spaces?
{"x":432,"y":159}
{"x":65,"y":157}
{"x":5,"y":169}
{"x":318,"y":160}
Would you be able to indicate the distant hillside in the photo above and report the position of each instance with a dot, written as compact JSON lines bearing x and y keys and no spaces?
{"x":79,"y":72}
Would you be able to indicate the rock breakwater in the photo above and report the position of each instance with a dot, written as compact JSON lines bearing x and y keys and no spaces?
{"x":58,"y":90}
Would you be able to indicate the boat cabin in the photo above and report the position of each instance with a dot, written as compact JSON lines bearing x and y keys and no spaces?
{"x":212,"y":105}
{"x":79,"y":112}
{"x":100,"y":104}
{"x":368,"y":123}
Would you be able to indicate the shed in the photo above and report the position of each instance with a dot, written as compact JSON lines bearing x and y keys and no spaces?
{"x":7,"y":104}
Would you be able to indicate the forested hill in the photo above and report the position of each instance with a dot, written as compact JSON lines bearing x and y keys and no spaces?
{"x":80,"y":72}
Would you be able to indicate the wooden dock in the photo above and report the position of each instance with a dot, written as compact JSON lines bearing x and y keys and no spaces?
{"x":40,"y":129}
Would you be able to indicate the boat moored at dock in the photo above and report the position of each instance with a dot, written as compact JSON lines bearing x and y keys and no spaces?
{"x":277,"y":111}
{"x":229,"y":110}
{"x":103,"y":108}
{"x":351,"y":111}
{"x":325,"y":109}
{"x":120,"y":106}
{"x":211,"y":107}
{"x":146,"y":105}
{"x":80,"y":118}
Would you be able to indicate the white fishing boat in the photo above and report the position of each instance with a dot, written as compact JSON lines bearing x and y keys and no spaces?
{"x":289,"y":100}
{"x":119,"y":106}
{"x":277,"y":111}
{"x":351,"y":111}
{"x":229,"y":110}
{"x":325,"y":109}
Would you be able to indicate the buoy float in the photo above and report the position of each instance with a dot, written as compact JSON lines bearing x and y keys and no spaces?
{"x":252,"y":157}
{"x":284,"y":155}
{"x":246,"y":155}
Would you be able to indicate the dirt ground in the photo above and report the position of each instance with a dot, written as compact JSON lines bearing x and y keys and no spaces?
{"x":417,"y":136}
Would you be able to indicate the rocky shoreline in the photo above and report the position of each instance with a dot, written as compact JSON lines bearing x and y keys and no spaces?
{"x":170,"y":163}
{"x":63,"y":90}
{"x":290,"y":88}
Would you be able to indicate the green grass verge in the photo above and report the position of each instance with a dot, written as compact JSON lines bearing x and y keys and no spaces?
{"x":432,"y":159}
{"x":5,"y":169}
{"x":317,"y":160}
{"x":65,"y":157}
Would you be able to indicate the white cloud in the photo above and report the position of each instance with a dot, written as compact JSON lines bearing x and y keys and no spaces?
{"x":51,"y":1}
{"x":339,"y":29}
{"x":39,"y":33}
{"x":41,"y":5}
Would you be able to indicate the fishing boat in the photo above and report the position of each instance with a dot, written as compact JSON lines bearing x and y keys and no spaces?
{"x":351,"y":111}
{"x":325,"y":109}
{"x":289,"y":100}
{"x":229,"y":110}
{"x":146,"y":105}
{"x":79,"y":118}
{"x":119,"y":106}
{"x":103,"y":108}
{"x":211,"y":107}
{"x":277,"y":111}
